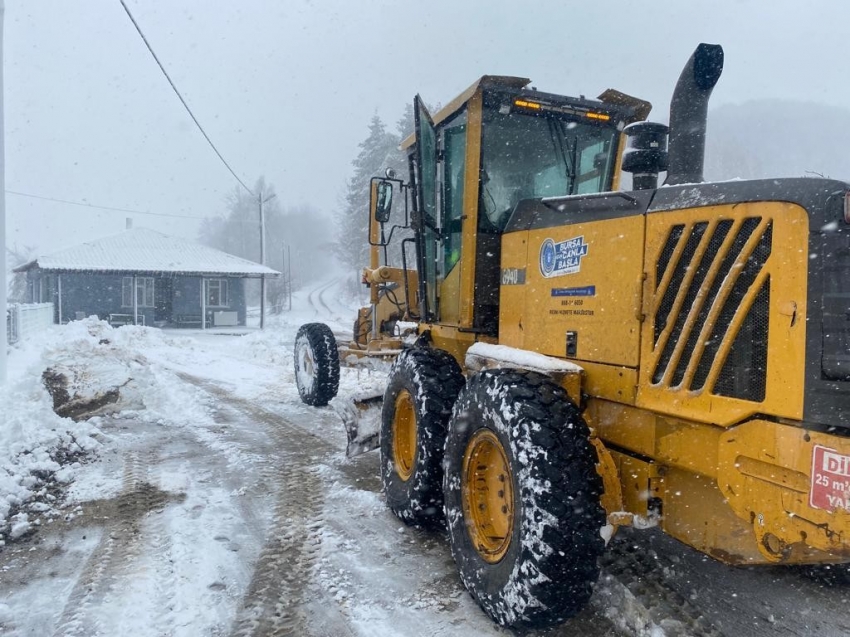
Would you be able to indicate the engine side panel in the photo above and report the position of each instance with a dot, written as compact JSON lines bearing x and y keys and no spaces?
{"x":725,"y":303}
{"x":582,"y":291}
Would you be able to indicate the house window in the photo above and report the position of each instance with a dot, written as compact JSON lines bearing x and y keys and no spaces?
{"x":217,"y":293}
{"x":144,"y":291}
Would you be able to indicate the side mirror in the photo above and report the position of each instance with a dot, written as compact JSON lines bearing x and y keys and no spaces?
{"x":384,"y":201}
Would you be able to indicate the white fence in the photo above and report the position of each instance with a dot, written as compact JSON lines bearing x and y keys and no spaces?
{"x":23,"y":319}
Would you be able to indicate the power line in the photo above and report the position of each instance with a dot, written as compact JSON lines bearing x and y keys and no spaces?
{"x":90,"y":205}
{"x":135,"y":212}
{"x":186,"y":106}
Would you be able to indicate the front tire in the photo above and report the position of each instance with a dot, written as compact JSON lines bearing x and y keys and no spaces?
{"x":316,"y":364}
{"x":418,"y":402}
{"x":522,"y":499}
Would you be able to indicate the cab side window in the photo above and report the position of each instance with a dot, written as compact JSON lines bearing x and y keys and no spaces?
{"x":454,"y":163}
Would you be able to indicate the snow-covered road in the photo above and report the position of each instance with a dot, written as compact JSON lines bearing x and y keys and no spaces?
{"x":217,"y":504}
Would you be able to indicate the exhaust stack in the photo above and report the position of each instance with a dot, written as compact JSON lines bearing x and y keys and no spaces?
{"x":688,"y":114}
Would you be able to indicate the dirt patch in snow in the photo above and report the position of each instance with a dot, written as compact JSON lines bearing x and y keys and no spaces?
{"x":75,"y":406}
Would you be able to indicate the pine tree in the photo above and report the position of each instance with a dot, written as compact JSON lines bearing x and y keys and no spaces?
{"x":379,"y":151}
{"x":403,"y":129}
{"x":398,"y":161}
{"x":353,"y":224}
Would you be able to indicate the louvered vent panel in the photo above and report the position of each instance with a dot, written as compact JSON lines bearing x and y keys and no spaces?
{"x":714,"y":292}
{"x":673,"y":239}
{"x":694,"y":235}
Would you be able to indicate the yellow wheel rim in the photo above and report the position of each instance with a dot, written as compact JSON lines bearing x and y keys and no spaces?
{"x":488,"y":496}
{"x":404,"y":435}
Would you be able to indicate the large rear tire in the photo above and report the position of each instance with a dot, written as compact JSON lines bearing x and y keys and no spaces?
{"x":418,"y":402}
{"x":522,"y":499}
{"x":316,"y":364}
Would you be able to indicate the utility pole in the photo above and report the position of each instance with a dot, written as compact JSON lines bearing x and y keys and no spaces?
{"x":285,"y":275}
{"x":263,"y":257}
{"x":2,"y":206}
{"x":286,"y":266}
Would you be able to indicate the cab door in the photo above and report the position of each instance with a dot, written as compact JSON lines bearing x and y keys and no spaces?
{"x":441,"y":174}
{"x":428,"y":232}
{"x":452,"y":177}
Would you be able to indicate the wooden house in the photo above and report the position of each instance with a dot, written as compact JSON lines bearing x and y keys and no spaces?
{"x":144,"y":277}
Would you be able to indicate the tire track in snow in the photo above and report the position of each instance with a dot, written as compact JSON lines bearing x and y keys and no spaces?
{"x":117,"y":549}
{"x":274,"y":602}
{"x":322,"y":300}
{"x":642,"y":574}
{"x":159,"y":544}
{"x":758,"y":601}
{"x":316,"y":299}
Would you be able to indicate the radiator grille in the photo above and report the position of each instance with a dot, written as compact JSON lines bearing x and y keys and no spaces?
{"x":678,"y":272}
{"x":711,"y":318}
{"x":744,"y":374}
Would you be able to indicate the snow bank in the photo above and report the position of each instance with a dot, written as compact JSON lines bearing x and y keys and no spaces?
{"x":35,"y":443}
{"x":39,"y":450}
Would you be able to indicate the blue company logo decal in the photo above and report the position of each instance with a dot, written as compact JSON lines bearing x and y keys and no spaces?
{"x":588,"y":290}
{"x":563,"y":257}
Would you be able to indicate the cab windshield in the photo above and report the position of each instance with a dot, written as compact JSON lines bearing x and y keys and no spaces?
{"x":528,"y":155}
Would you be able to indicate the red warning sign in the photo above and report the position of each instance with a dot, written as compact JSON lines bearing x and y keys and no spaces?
{"x":830,"y":480}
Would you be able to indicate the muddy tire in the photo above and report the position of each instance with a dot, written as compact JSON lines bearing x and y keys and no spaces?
{"x":522,"y":499}
{"x":316,"y":364}
{"x":418,"y":402}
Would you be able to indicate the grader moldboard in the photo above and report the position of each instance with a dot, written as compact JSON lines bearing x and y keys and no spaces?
{"x":588,"y":357}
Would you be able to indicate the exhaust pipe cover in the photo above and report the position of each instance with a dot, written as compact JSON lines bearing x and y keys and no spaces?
{"x":688,"y":114}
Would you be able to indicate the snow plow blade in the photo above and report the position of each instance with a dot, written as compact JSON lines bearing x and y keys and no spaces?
{"x":362,"y":420}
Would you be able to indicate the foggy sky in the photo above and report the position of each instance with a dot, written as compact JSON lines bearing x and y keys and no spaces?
{"x":286,"y":88}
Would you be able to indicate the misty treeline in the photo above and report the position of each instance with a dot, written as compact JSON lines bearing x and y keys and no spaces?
{"x":298,"y":239}
{"x":777,"y":138}
{"x":378,"y":152}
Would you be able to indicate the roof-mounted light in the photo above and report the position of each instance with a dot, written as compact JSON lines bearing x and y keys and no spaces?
{"x":527,"y":104}
{"x":602,"y":117}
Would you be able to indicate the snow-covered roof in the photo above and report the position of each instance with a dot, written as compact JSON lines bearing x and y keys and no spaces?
{"x":145,"y":250}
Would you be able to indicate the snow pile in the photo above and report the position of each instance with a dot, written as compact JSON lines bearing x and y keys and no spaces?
{"x":35,"y":443}
{"x":39,"y":450}
{"x":273,"y":346}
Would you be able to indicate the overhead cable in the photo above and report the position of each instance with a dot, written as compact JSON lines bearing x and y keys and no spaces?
{"x":90,"y":205}
{"x":185,"y":105}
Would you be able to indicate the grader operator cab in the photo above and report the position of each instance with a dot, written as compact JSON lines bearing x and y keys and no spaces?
{"x":587,"y":357}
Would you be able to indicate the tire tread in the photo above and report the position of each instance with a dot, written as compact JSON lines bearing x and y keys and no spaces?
{"x":549,"y":575}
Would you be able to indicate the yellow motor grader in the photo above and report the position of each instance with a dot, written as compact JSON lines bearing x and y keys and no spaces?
{"x":588,"y":357}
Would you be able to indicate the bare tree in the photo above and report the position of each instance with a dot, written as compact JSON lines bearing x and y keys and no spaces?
{"x":237,"y":232}
{"x":16,"y":283}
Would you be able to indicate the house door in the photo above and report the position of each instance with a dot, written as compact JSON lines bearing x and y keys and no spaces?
{"x":163,"y":294}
